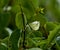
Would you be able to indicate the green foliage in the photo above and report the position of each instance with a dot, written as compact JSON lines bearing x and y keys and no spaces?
{"x":35,"y":3}
{"x":27,"y":8}
{"x":2,"y":36}
{"x":14,"y":39}
{"x":4,"y":20}
{"x":50,"y":26}
{"x":2,"y":47}
{"x":53,"y":34}
{"x":35,"y":49}
{"x":19,"y":21}
{"x":29,"y":25}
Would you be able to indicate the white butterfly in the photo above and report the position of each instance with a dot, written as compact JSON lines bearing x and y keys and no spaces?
{"x":35,"y":25}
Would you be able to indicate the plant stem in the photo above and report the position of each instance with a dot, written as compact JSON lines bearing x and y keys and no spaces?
{"x":23,"y":29}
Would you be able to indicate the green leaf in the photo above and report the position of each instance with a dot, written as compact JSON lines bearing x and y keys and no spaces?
{"x":2,"y":47}
{"x":14,"y":39}
{"x":37,"y":33}
{"x":14,"y":8}
{"x":5,"y":41}
{"x":4,"y":20}
{"x":38,"y":17}
{"x":58,"y":40}
{"x":50,"y":26}
{"x":42,"y":3}
{"x":27,"y":8}
{"x":4,"y":34}
{"x":3,"y":2}
{"x":19,"y":21}
{"x":35,"y":3}
{"x":35,"y":49}
{"x":53,"y":34}
{"x":42,"y":44}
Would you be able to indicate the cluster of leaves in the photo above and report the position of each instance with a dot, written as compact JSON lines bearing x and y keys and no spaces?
{"x":29,"y":25}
